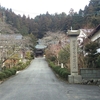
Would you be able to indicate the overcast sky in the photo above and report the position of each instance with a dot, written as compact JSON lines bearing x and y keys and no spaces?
{"x":37,"y":7}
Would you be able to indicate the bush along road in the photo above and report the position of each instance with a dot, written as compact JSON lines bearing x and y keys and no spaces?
{"x":8,"y":72}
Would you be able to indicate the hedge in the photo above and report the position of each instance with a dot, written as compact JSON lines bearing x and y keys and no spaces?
{"x":7,"y":73}
{"x":2,"y":75}
{"x":62,"y":72}
{"x":12,"y":71}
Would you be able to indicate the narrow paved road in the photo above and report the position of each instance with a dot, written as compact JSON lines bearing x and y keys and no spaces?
{"x":38,"y":82}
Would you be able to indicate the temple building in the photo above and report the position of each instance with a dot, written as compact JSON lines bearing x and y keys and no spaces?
{"x":39,"y":50}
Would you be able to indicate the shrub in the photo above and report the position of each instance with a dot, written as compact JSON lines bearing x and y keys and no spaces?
{"x":20,"y":63}
{"x":2,"y":75}
{"x":19,"y":68}
{"x":92,"y":57}
{"x":15,"y":68}
{"x":7,"y":72}
{"x":63,"y":72}
{"x":98,"y":62}
{"x":12,"y":70}
{"x":27,"y":63}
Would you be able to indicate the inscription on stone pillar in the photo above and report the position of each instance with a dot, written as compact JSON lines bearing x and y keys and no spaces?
{"x":74,"y":68}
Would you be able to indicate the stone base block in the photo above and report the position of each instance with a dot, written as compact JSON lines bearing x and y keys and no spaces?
{"x":75,"y":79}
{"x":78,"y":79}
{"x":70,"y":78}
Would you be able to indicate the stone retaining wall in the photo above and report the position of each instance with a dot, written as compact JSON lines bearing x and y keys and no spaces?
{"x":90,"y":76}
{"x":88,"y":73}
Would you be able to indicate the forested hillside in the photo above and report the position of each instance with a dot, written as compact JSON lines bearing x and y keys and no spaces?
{"x":87,"y":18}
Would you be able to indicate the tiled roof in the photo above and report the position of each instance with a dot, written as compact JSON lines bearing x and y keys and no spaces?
{"x":40,"y":46}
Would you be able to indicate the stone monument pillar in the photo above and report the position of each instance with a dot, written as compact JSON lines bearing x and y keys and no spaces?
{"x":74,"y":77}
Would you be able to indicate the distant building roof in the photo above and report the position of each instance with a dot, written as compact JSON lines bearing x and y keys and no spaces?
{"x":18,"y":36}
{"x":40,"y":46}
{"x":12,"y":36}
{"x":94,"y":31}
{"x":87,"y":31}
